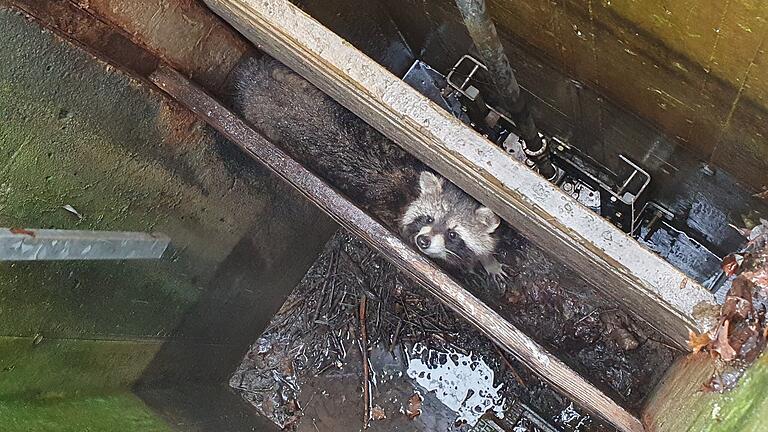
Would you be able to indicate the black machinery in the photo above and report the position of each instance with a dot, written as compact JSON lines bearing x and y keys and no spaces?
{"x":620,"y":196}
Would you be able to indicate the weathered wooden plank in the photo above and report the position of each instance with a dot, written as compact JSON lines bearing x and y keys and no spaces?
{"x":423,"y":271}
{"x":621,"y":268}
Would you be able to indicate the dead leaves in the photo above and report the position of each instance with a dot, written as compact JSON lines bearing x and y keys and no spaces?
{"x":718,"y":345}
{"x":414,"y":406}
{"x":738,"y":333}
{"x":377,"y":413}
{"x":732,"y":264}
{"x":759,"y":277}
{"x":697,"y":342}
{"x":721,"y":345}
{"x":738,"y":302}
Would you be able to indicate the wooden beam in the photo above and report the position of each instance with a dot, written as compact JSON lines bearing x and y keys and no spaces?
{"x":616,"y":264}
{"x":418,"y":267}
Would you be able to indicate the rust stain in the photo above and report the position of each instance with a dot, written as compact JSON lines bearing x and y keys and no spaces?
{"x":176,"y":123}
{"x":22,"y":231}
{"x":207,"y":51}
{"x":87,"y":31}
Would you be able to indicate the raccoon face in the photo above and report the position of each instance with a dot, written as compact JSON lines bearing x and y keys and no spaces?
{"x":447,"y":224}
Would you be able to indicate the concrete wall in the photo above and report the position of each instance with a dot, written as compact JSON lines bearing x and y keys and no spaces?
{"x":76,"y":131}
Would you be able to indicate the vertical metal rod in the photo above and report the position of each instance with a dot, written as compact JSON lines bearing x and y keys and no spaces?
{"x":486,"y":39}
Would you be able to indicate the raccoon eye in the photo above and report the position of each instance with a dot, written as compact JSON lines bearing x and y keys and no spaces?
{"x":429,"y":219}
{"x":452,"y":235}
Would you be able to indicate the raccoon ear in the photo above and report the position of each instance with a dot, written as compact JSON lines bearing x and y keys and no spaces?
{"x":488,"y":219}
{"x":430,"y":184}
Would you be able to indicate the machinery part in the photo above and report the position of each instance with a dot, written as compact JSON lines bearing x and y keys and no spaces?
{"x":626,"y":192}
{"x":658,"y":214}
{"x":462,"y":78}
{"x":17,"y":244}
{"x":619,"y":195}
{"x":483,"y":33}
{"x":519,"y":416}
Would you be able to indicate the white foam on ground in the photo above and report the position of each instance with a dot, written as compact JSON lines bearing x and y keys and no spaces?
{"x":463,"y":383}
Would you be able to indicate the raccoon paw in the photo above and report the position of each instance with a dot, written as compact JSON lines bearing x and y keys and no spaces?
{"x":500,"y":276}
{"x":494,"y":268}
{"x":497,"y":279}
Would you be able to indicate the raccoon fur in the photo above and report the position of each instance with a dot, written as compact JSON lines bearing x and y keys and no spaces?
{"x":368,"y":168}
{"x":447,"y":224}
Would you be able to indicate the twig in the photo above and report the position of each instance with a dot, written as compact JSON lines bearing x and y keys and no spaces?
{"x":325,"y":282}
{"x":674,"y":348}
{"x":509,"y":366}
{"x":397,"y":333}
{"x":585,"y":317}
{"x":366,"y":371}
{"x":378,"y":320}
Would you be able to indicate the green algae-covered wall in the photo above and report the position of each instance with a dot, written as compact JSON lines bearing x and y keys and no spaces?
{"x":681,"y":404}
{"x":76,"y":336}
{"x":114,"y":412}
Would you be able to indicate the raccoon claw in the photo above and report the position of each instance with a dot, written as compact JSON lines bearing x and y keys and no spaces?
{"x":495,"y":269}
{"x":499,"y":276}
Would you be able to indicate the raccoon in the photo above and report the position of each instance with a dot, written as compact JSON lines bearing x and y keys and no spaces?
{"x":446,"y":224}
{"x":324,"y":136}
{"x":431,"y":213}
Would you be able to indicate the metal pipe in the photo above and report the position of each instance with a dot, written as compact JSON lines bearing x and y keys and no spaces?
{"x":486,"y":39}
{"x":20,"y":244}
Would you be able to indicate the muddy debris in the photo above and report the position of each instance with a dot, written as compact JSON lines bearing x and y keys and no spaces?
{"x":378,"y":413}
{"x":739,"y":328}
{"x":622,"y":356}
{"x":306,"y":369}
{"x":414,"y":406}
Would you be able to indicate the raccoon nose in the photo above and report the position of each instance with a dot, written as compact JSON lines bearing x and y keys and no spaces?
{"x":423,"y":241}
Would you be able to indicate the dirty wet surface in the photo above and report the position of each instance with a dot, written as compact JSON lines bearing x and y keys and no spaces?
{"x":429,"y":370}
{"x":622,"y":356}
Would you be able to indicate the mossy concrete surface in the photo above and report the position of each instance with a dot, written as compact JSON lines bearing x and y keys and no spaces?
{"x":681,"y":404}
{"x":76,"y":132}
{"x":107,"y":413}
{"x":38,"y":369}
